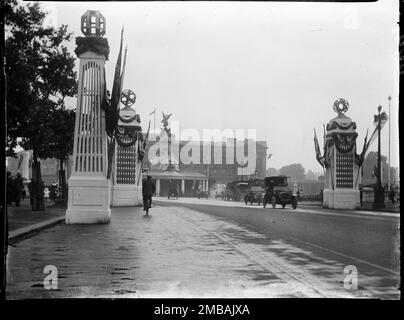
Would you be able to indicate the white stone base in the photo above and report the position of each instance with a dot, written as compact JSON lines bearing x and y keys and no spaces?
{"x":126,"y":195}
{"x":89,"y":200}
{"x":341,"y":199}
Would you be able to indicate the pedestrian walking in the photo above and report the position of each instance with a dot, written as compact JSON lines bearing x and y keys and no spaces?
{"x":148,"y":189}
{"x":392,"y":196}
{"x":18,"y":188}
{"x":46,"y":194}
{"x":53,"y":192}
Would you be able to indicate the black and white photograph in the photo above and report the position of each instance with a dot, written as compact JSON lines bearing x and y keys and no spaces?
{"x":201,"y":149}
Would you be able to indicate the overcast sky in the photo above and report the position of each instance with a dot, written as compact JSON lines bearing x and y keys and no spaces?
{"x":273,"y":67}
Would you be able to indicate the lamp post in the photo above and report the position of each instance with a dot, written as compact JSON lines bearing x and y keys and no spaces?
{"x":388,"y":168}
{"x":378,"y":191}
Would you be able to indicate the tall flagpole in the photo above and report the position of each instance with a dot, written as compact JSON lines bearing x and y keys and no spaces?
{"x":155,"y":110}
{"x":388,"y":168}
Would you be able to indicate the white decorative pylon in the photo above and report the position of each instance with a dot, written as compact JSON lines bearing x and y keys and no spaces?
{"x":89,"y":190}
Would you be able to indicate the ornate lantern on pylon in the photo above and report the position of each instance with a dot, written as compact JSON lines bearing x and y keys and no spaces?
{"x":93,"y":23}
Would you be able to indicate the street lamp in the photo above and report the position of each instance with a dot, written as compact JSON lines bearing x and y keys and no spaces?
{"x":379,"y":190}
{"x":388,"y":168}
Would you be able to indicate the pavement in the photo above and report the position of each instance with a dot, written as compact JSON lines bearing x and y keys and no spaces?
{"x":389,"y":207}
{"x":175,"y":252}
{"x":390,"y":210}
{"x":23,"y":222}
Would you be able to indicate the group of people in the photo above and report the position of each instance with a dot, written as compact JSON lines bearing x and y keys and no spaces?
{"x":15,"y":189}
{"x":50,"y":192}
{"x":392,"y":195}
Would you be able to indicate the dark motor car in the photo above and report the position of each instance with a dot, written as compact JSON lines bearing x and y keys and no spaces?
{"x":172,"y":190}
{"x":228,"y":192}
{"x":235,"y":190}
{"x":279,"y":191}
{"x":202,"y":194}
{"x":240,"y":190}
{"x":255,"y":191}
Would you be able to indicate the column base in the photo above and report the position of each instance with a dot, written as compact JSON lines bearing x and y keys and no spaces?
{"x":341,"y":199}
{"x":126,"y":195}
{"x":89,"y":200}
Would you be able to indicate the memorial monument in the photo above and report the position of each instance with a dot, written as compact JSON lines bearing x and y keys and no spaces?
{"x":340,"y":160}
{"x":126,"y":190}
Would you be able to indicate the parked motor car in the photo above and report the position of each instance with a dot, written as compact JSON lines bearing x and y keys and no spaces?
{"x":220,"y":191}
{"x":228,"y":192}
{"x":254,"y":192}
{"x":278,"y":190}
{"x":172,"y":191}
{"x":203,"y":194}
{"x":240,"y":190}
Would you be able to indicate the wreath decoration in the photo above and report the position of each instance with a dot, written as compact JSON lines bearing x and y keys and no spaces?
{"x":128,"y":120}
{"x":337,"y":105}
{"x":125,"y":141}
{"x":344,"y":143}
{"x":92,"y":43}
{"x":128,"y":97}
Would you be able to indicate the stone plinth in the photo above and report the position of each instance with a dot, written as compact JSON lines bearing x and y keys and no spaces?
{"x":341,"y":199}
{"x":126,"y":195}
{"x":89,"y":200}
{"x":89,"y":189}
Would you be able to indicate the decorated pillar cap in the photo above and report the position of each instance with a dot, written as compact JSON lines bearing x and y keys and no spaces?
{"x":341,"y":123}
{"x":93,"y":23}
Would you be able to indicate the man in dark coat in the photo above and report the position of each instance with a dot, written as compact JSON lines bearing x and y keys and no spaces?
{"x":148,"y":190}
{"x":19,"y":186}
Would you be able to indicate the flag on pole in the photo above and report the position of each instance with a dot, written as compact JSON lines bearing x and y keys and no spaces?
{"x":269,"y":155}
{"x":317,"y":148}
{"x":112,"y":120}
{"x":153,"y":112}
{"x":147,"y":136}
{"x":20,"y":161}
{"x":123,"y":72}
{"x":364,"y":144}
{"x":361,"y":158}
{"x":116,"y":89}
{"x":141,"y":152}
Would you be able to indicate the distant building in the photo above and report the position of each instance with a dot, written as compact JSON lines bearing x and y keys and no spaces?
{"x":49,"y":167}
{"x":186,"y":177}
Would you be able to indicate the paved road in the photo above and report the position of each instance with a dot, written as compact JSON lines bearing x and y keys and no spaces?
{"x":209,"y":251}
{"x":321,"y":238}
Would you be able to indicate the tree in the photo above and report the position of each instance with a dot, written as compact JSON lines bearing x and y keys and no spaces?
{"x":61,"y":144}
{"x":272,"y":172}
{"x":369,"y":169}
{"x":310,"y":175}
{"x":40,"y":74}
{"x":295,"y":171}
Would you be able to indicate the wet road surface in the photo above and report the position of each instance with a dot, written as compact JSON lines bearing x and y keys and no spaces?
{"x":206,"y":252}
